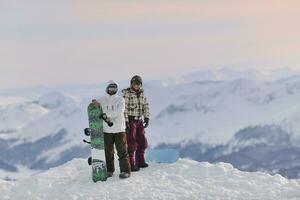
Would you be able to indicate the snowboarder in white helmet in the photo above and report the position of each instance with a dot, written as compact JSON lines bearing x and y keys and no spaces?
{"x":137,"y":119}
{"x":114,"y":106}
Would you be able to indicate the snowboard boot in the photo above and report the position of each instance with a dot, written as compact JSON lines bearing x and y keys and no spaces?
{"x":135,"y":169}
{"x":124,"y":175}
{"x":109,"y":174}
{"x":144,"y":165}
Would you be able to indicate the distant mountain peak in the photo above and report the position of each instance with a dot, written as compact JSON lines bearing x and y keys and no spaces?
{"x":56,"y":99}
{"x":228,"y":74}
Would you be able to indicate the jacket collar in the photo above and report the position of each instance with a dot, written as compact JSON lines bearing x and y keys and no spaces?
{"x":137,"y":92}
{"x":111,"y":96}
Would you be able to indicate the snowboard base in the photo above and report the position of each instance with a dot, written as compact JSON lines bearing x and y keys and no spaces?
{"x":95,"y":132}
{"x":99,"y":172}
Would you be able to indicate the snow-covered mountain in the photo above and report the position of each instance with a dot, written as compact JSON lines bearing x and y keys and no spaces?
{"x":232,"y":118}
{"x":214,"y":111}
{"x":185,"y":179}
{"x":260,"y":148}
{"x":229,"y":74}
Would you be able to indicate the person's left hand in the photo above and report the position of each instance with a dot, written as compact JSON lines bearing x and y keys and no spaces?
{"x":146,"y":122}
{"x":110,"y":123}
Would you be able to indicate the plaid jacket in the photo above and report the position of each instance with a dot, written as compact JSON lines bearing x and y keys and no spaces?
{"x":136,"y":104}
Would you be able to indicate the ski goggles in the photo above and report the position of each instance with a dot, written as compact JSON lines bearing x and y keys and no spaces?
{"x":111,"y":89}
{"x":136,"y":83}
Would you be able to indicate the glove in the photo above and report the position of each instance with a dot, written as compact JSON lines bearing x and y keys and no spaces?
{"x":103,"y":116}
{"x":146,"y":122}
{"x":95,"y":103}
{"x":127,"y":127}
{"x":107,"y":120}
{"x":110,"y":124}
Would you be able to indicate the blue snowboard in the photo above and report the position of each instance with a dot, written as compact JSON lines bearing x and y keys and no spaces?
{"x":162,"y":155}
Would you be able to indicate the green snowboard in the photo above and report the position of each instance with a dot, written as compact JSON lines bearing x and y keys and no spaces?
{"x":99,"y":171}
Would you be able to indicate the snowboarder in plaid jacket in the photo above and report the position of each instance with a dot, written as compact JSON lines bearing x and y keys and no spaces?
{"x":137,"y":119}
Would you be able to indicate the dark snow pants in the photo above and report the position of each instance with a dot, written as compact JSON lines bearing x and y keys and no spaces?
{"x":119,"y":139}
{"x":137,"y":143}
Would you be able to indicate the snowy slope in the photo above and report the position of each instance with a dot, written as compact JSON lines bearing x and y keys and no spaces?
{"x":185,"y":179}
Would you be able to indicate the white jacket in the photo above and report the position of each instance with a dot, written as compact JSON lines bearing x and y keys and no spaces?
{"x":114,"y":107}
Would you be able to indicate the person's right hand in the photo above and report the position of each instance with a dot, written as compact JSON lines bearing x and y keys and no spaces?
{"x":96,"y":103}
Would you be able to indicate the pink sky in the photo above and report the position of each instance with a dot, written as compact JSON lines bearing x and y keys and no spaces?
{"x":66,"y":42}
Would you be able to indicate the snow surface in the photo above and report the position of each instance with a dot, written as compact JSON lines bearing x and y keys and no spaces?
{"x":185,"y":179}
{"x":22,"y":172}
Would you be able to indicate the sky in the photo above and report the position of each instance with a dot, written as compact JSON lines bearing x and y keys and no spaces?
{"x":58,"y":42}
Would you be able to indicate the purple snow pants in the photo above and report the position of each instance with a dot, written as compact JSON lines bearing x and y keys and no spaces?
{"x":137,"y":143}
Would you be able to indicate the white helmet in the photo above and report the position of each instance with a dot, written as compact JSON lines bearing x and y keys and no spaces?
{"x":112,"y":87}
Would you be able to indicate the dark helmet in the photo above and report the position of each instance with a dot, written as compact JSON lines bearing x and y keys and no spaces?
{"x":136,"y":79}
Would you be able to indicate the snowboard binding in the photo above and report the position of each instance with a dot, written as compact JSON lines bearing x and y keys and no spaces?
{"x":90,"y":160}
{"x":87,"y":131}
